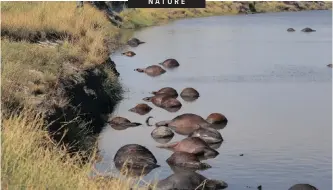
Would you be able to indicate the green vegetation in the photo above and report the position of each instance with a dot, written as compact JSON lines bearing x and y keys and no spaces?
{"x":50,"y":52}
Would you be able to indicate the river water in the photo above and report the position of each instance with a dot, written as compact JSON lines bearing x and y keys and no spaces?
{"x":272,"y":85}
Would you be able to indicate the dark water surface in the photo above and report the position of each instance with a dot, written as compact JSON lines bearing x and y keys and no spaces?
{"x":273,"y":86}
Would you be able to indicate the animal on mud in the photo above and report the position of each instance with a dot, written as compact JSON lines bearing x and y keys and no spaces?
{"x":302,"y":187}
{"x":291,"y":30}
{"x":153,"y":70}
{"x":170,"y":63}
{"x":121,"y":123}
{"x":167,"y":91}
{"x":129,"y":53}
{"x":193,"y":145}
{"x":189,"y":180}
{"x":184,"y":124}
{"x":186,"y":160}
{"x":136,"y":158}
{"x":209,"y":135}
{"x":307,"y":29}
{"x":162,"y":132}
{"x":189,"y":94}
{"x":141,"y":109}
{"x":134,"y":42}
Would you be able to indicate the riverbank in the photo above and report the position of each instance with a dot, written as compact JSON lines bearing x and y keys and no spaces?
{"x":58,"y":67}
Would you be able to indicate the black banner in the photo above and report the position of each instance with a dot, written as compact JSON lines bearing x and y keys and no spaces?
{"x":166,"y":3}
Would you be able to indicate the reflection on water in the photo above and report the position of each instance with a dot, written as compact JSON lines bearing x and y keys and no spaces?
{"x":273,"y":86}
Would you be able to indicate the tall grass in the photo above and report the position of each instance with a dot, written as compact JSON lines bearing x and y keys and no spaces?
{"x":30,"y":160}
{"x":80,"y":39}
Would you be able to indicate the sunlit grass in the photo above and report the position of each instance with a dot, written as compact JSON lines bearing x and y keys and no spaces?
{"x":80,"y":38}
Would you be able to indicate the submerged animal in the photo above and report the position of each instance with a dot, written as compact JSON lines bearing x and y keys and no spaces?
{"x":135,"y":157}
{"x":186,"y":160}
{"x":120,"y":123}
{"x":134,"y":42}
{"x":162,"y":132}
{"x":129,"y":53}
{"x":170,"y":63}
{"x":330,"y":65}
{"x":216,"y":118}
{"x":167,"y":91}
{"x":164,"y":101}
{"x":158,"y":100}
{"x":302,"y":187}
{"x":209,"y":135}
{"x":141,"y":109}
{"x":189,"y":180}
{"x":184,"y":124}
{"x":189,"y":94}
{"x":193,"y":145}
{"x":153,"y":70}
{"x":171,"y":103}
{"x":291,"y":30}
{"x":307,"y":29}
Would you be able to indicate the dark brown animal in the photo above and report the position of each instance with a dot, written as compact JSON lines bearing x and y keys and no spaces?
{"x":302,"y":187}
{"x":157,"y":100}
{"x":170,"y":63}
{"x":136,"y":158}
{"x":120,"y":123}
{"x":184,"y":124}
{"x":134,"y":42}
{"x":217,"y":121}
{"x":291,"y":30}
{"x":216,"y":118}
{"x":186,"y":160}
{"x":163,"y":101}
{"x":193,"y":145}
{"x":141,"y":109}
{"x":189,"y":94}
{"x":167,"y":91}
{"x":129,"y":53}
{"x":307,"y":29}
{"x":189,"y":180}
{"x":153,"y":70}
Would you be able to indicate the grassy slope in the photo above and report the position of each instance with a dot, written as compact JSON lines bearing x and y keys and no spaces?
{"x":30,"y":70}
{"x":29,"y":160}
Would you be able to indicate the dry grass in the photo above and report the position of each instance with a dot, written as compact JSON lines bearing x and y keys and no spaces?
{"x":136,"y":18}
{"x":85,"y":30}
{"x":278,"y":6}
{"x":29,"y":160}
{"x":29,"y":70}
